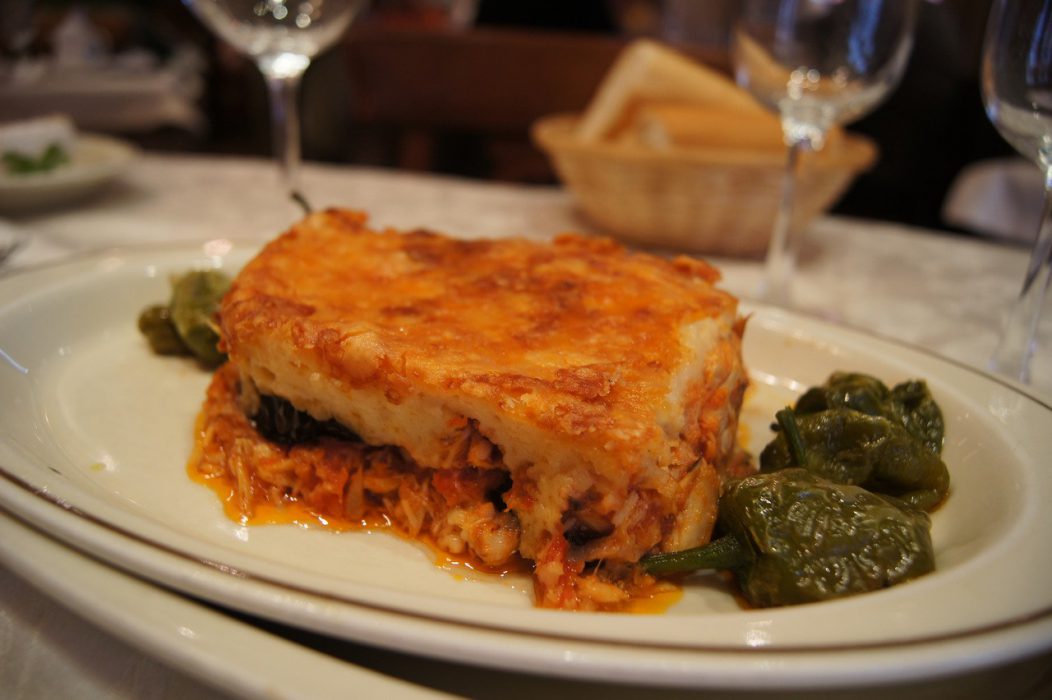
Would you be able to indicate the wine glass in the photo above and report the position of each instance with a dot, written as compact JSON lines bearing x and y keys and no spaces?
{"x":816,"y":63}
{"x":1017,"y":92}
{"x":282,"y":36}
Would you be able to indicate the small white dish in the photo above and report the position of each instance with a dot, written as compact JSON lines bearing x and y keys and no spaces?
{"x":95,"y":432}
{"x":96,"y":161}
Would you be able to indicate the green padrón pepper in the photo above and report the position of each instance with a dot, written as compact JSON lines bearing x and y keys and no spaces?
{"x":187,"y":324}
{"x":909,"y":404}
{"x":155,"y":323}
{"x":793,"y":537}
{"x":851,"y":447}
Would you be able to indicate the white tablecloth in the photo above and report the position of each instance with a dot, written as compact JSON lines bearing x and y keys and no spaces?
{"x":943,"y":292}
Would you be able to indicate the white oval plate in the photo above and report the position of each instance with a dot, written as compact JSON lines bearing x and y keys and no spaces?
{"x":96,"y":432}
{"x":96,"y":161}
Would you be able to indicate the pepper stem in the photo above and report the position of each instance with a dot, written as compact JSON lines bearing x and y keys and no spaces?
{"x":787,"y":421}
{"x":726,"y":552}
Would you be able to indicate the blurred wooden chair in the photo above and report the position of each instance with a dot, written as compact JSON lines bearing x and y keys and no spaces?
{"x":474,"y":89}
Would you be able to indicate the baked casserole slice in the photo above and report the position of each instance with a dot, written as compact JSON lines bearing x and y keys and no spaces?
{"x":569,"y":403}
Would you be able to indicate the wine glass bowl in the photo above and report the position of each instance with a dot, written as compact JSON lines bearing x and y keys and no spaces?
{"x":282,"y":36}
{"x":817,"y":89}
{"x":817,"y":64}
{"x":1016,"y":80}
{"x":1015,"y":77}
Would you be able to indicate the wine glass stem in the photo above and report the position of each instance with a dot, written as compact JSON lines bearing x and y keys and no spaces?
{"x":1019,"y":335}
{"x":285,"y":125}
{"x":784,"y":247}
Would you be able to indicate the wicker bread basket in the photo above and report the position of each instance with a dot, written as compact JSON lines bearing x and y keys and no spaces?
{"x":712,"y":201}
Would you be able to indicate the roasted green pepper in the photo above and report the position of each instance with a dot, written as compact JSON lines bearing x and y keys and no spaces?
{"x":195,"y":300}
{"x":793,"y":537}
{"x":915,"y":408}
{"x":155,"y":323}
{"x":909,"y":404}
{"x":189,"y":318}
{"x":851,"y":447}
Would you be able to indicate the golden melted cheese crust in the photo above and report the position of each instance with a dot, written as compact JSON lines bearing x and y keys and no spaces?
{"x":608,"y":382}
{"x":577,"y":338}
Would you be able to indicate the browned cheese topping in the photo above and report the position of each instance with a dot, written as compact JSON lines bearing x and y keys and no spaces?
{"x":570,"y":402}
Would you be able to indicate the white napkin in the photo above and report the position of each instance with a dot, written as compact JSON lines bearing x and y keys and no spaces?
{"x":29,"y":250}
{"x":1000,"y":198}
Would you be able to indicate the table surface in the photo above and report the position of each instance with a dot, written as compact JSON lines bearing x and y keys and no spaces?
{"x":940,"y":291}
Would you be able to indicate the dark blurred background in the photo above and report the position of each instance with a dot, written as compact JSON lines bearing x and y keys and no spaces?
{"x":452,"y":86}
